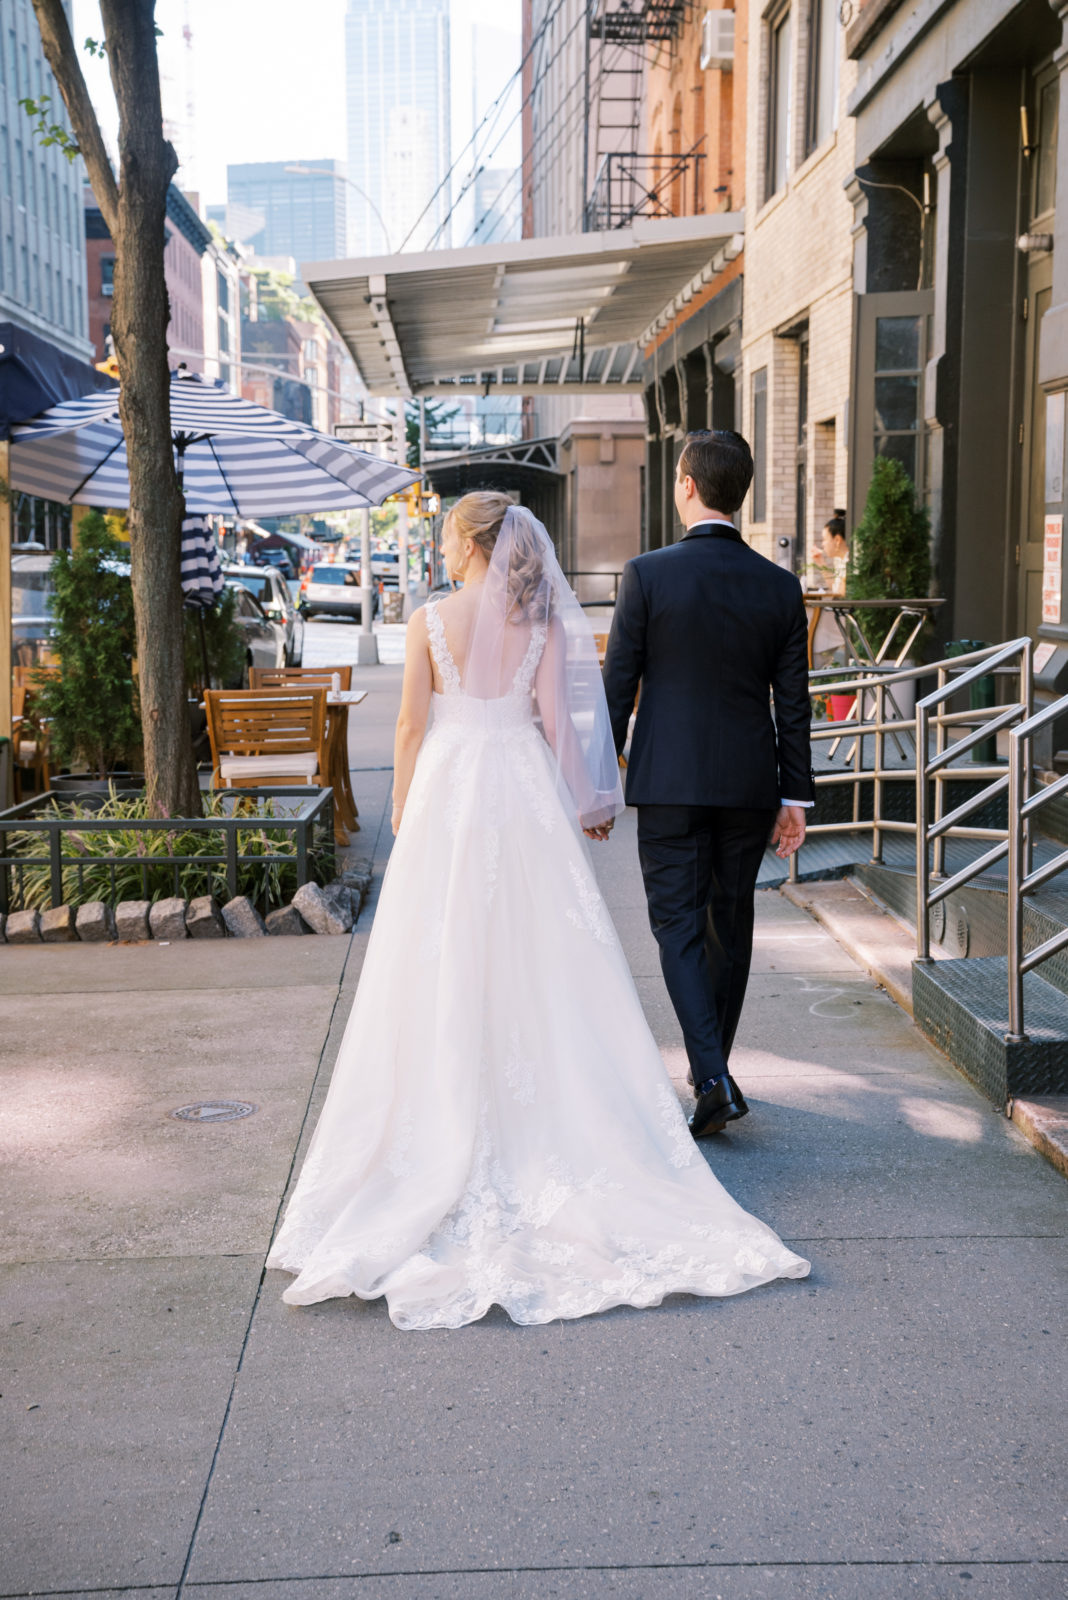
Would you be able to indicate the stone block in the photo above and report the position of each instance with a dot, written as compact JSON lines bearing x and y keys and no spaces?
{"x":131,"y":919}
{"x":343,"y":899}
{"x":167,"y":918}
{"x":95,"y":922}
{"x":242,"y":919}
{"x":323,"y":913}
{"x":24,"y":927}
{"x":203,"y":919}
{"x":57,"y":925}
{"x":286,"y":920}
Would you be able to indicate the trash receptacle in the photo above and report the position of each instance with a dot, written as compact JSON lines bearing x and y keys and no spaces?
{"x":982,"y":695}
{"x":393,"y":606}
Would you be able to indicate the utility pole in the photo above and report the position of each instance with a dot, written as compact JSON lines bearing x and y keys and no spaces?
{"x":366,"y":644}
{"x":400,"y":446}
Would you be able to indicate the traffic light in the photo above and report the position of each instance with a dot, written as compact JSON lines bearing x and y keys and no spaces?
{"x":109,"y":365}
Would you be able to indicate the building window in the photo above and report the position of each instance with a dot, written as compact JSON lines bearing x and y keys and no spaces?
{"x":758,"y":429}
{"x":824,"y":45}
{"x":1045,"y":167}
{"x":898,"y":370}
{"x":777,"y":149}
{"x":107,"y":275}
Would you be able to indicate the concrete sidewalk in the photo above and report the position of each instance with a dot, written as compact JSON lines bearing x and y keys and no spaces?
{"x":892,"y":1426}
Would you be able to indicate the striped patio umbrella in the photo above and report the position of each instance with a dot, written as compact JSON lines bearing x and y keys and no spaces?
{"x":202,"y":577}
{"x":236,"y":458}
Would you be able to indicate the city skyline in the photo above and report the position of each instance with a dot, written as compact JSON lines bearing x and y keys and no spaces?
{"x":291,"y":85}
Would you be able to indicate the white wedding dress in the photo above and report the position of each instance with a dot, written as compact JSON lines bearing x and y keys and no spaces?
{"x":500,"y":1128}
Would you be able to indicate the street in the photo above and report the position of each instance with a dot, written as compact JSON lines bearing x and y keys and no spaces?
{"x":891,"y":1426}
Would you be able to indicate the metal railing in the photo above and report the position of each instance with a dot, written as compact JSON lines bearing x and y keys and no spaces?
{"x":309,"y":827}
{"x":875,"y":718}
{"x":1016,"y":657}
{"x":631,"y":184}
{"x":1023,"y":878}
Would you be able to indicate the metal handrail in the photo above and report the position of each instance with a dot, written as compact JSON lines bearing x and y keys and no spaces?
{"x":875,"y":683}
{"x":1023,"y":878}
{"x":1017,"y":656}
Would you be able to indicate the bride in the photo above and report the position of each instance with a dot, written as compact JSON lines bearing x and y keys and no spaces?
{"x":500,"y":1128}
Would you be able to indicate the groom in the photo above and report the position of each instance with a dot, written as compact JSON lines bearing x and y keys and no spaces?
{"x":710,"y":630}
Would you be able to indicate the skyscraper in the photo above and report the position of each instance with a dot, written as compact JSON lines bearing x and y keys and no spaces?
{"x":397,"y":89}
{"x":280,"y":212}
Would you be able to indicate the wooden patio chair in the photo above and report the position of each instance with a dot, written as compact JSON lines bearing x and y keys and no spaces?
{"x":273,"y":677}
{"x":262,"y":736}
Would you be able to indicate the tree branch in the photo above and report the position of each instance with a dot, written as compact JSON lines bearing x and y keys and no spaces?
{"x":62,"y":57}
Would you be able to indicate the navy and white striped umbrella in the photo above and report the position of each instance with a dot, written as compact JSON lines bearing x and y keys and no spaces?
{"x":238,"y":459}
{"x":202,"y":576}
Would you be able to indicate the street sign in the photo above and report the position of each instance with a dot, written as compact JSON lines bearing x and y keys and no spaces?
{"x":375,"y":437}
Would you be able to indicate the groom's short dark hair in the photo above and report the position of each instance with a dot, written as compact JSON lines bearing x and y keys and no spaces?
{"x":721,"y":465}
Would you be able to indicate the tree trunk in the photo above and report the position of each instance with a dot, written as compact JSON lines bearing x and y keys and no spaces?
{"x":135,"y":215}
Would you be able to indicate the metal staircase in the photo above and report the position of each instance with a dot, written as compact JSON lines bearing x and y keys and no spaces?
{"x":970,"y":852}
{"x":621,"y":35}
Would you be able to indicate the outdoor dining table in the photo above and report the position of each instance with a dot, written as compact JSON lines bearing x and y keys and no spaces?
{"x":338,"y":704}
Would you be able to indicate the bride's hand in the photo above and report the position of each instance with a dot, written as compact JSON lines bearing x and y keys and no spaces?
{"x":601,"y":831}
{"x":395,"y":819}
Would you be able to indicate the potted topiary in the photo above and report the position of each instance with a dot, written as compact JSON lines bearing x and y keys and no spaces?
{"x":890,"y":556}
{"x":90,"y":705}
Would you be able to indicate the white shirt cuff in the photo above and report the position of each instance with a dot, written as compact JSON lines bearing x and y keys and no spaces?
{"x":805,"y":805}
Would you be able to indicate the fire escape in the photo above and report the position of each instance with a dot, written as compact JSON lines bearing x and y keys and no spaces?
{"x":622,"y":36}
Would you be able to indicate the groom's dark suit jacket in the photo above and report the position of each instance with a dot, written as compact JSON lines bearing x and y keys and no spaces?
{"x":710,"y":629}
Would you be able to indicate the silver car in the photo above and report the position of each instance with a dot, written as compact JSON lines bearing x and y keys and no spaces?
{"x":274,"y":595}
{"x":333,"y":591}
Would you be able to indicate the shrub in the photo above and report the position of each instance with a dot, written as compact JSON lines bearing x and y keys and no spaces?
{"x":91,"y":705}
{"x":890,"y":556}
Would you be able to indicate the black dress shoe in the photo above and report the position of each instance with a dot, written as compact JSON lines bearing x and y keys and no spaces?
{"x":720,"y":1103}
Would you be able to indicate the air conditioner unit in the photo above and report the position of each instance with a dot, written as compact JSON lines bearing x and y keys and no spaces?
{"x":717,"y":41}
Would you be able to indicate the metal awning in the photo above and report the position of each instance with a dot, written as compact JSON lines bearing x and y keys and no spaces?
{"x":530,"y":316}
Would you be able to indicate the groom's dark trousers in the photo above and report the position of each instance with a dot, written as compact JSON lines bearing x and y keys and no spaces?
{"x":711,"y":631}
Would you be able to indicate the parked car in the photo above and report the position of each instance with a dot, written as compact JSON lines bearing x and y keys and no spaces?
{"x":385,"y":564}
{"x":274,"y":595}
{"x":265,"y":639}
{"x":333,"y":590}
{"x":273,"y":558}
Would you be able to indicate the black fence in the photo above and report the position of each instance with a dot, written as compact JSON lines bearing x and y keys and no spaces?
{"x":309,"y":825}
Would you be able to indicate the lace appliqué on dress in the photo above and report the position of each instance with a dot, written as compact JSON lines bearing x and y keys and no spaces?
{"x":592,"y":915}
{"x":674,"y":1125}
{"x":439,"y":648}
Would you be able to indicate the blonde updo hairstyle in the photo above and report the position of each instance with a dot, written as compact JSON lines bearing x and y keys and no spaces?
{"x":478,"y":516}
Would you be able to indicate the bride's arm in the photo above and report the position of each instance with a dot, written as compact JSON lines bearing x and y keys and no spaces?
{"x":415,"y":704}
{"x":558,"y":727}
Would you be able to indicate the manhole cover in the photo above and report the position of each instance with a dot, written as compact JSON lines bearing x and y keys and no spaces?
{"x":215,"y":1111}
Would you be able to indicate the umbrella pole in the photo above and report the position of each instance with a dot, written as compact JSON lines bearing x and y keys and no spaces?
{"x":179,"y":448}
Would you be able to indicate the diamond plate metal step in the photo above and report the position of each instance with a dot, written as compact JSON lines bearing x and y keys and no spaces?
{"x":962,"y":1007}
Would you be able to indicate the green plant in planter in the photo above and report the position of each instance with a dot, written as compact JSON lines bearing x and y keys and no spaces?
{"x":223,"y":642}
{"x":890,"y":556}
{"x":91,"y":706}
{"x":140,"y":863}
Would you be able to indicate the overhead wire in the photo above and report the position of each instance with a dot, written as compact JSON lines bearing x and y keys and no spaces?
{"x":493,"y":109}
{"x":534,"y":165}
{"x":527,"y":100}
